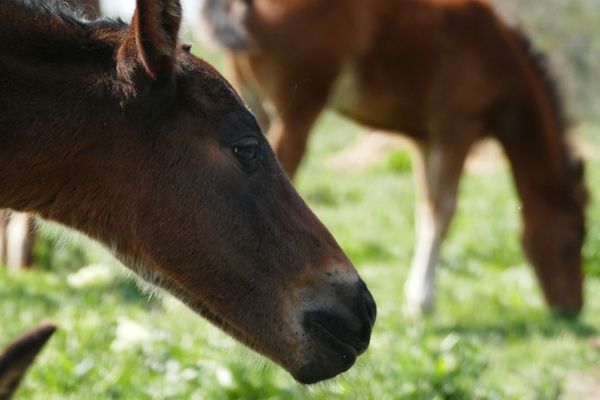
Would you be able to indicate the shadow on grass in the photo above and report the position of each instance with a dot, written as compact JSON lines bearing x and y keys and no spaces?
{"x":547,"y":326}
{"x":26,"y":294}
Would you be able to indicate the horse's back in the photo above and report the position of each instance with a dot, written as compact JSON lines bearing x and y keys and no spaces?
{"x":422,"y":56}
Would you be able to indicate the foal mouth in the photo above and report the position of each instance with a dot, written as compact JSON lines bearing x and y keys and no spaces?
{"x":346,"y":349}
{"x":335,"y":332}
{"x":338,"y":344}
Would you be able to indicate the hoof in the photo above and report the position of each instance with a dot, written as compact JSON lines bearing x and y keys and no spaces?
{"x":417,"y":310}
{"x":419,"y":299}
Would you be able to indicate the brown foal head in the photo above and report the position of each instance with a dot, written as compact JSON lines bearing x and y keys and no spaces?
{"x":553,"y":238}
{"x":549,"y":177}
{"x":153,"y":153}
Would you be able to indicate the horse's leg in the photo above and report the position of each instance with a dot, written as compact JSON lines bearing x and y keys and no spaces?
{"x":241,"y":77}
{"x":3,"y":222}
{"x":20,"y":238}
{"x":297,"y":112}
{"x":438,"y":169}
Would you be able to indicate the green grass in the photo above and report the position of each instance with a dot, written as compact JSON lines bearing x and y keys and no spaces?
{"x":491,"y":338}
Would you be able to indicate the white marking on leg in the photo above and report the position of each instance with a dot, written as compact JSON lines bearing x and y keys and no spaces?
{"x":17,"y":233}
{"x":3,"y":221}
{"x":433,"y":213}
{"x":420,"y":285}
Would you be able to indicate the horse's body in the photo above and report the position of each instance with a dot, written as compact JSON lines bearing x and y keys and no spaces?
{"x":119,"y":132}
{"x":444,"y":72}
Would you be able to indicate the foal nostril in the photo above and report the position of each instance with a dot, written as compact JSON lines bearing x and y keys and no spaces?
{"x":350,"y":318}
{"x":369,"y":305}
{"x":366,"y":304}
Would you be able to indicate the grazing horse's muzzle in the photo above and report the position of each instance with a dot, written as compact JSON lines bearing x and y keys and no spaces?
{"x":339,"y":332}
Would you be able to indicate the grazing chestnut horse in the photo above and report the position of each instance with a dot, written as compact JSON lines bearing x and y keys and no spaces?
{"x":119,"y":132}
{"x":18,"y":357}
{"x":444,"y":72}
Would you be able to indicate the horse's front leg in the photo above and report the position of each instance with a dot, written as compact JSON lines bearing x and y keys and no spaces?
{"x":298,"y":104}
{"x":438,"y":168}
{"x":20,"y":239}
{"x":3,"y":223}
{"x":242,"y":77}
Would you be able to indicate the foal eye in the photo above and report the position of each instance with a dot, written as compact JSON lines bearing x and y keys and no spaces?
{"x":248,"y":152}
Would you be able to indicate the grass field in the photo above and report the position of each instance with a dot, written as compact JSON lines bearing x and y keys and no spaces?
{"x":491,"y":338}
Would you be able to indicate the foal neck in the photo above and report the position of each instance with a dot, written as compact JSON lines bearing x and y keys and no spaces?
{"x":534,"y":131}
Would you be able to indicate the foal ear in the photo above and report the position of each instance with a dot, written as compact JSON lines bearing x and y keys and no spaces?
{"x":153,"y":36}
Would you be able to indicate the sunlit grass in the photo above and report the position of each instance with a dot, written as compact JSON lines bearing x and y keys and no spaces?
{"x":491,"y":338}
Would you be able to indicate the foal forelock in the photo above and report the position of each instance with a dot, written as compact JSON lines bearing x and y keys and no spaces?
{"x":52,"y":26}
{"x":58,"y":8}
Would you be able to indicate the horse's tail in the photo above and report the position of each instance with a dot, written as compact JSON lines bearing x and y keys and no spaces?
{"x":19,"y":356}
{"x":225,"y":23}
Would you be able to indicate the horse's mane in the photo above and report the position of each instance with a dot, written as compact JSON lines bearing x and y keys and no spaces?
{"x":49,"y":25}
{"x":574,"y":162}
{"x":542,"y":67}
{"x":56,"y":9}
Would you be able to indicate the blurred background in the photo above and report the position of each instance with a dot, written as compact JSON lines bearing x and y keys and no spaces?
{"x":491,"y":337}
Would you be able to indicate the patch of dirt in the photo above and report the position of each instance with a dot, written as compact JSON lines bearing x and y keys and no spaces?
{"x":584,"y":148}
{"x":370,"y":149}
{"x":373,"y":147}
{"x":582,"y":386}
{"x":486,"y":156}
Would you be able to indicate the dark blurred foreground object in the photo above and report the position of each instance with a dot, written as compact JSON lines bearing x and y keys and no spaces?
{"x":446,"y":74}
{"x":19,"y":356}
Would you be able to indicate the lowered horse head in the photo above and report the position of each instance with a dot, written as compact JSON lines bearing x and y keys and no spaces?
{"x":550,"y":178}
{"x":553,"y":238}
{"x":119,"y":132}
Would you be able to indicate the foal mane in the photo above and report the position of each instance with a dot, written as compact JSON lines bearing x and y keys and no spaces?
{"x":48,"y":26}
{"x":553,"y":90}
{"x":544,"y":71}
